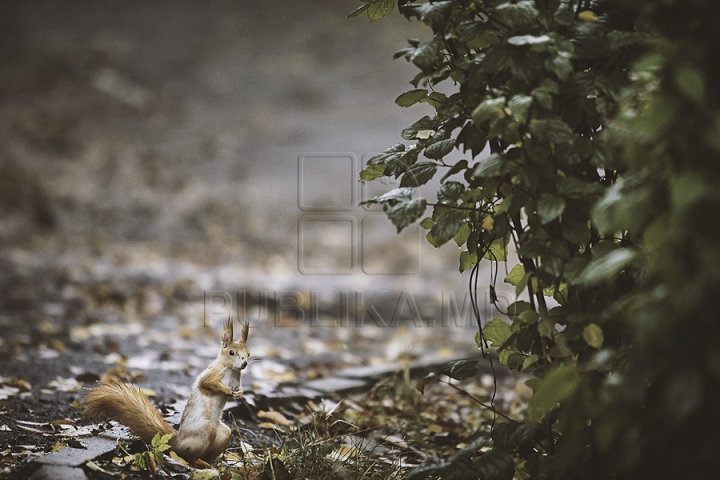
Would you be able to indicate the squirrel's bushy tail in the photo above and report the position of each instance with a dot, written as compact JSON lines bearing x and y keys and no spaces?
{"x":129,"y":406}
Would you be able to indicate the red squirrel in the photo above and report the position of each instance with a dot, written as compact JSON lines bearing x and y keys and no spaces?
{"x":201,"y":436}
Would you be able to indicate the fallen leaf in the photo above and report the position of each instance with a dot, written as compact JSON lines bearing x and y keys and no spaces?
{"x":17,"y":382}
{"x":177,"y":457}
{"x":271,"y":426}
{"x":69,"y":385}
{"x":94,"y":466}
{"x":62,"y":421}
{"x":344,"y":452}
{"x":30,"y":429}
{"x":276,"y":470}
{"x":58,"y":446}
{"x":434,"y":428}
{"x":395,"y":440}
{"x":275,"y":417}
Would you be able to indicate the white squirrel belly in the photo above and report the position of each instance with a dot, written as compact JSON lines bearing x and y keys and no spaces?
{"x":232,"y":379}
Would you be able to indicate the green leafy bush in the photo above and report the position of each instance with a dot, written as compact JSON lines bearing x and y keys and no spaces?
{"x":602,"y":185}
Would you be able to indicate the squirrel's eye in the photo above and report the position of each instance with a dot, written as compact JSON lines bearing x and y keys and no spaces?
{"x":232,"y":352}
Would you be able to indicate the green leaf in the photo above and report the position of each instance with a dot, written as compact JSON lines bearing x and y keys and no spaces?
{"x":550,"y":207}
{"x":575,"y":188}
{"x":593,"y":335}
{"x":446,"y":224}
{"x":560,"y":64}
{"x":380,"y":8}
{"x":552,"y":130}
{"x":497,"y":250}
{"x":425,"y":124}
{"x":575,"y":231}
{"x":515,"y":275}
{"x":438,"y":150}
{"x":517,"y":15}
{"x":565,"y":15}
{"x":462,"y":235}
{"x":426,"y":223}
{"x":412,"y":97}
{"x":519,"y":105}
{"x":428,"y":56}
{"x":460,"y":369}
{"x":544,"y":99}
{"x":395,"y":195}
{"x":484,"y":40}
{"x":435,"y":14}
{"x":546,"y":328}
{"x":518,"y":278}
{"x":418,"y":174}
{"x":467,"y":260}
{"x":497,"y":332}
{"x":687,"y":190}
{"x":458,"y":167}
{"x":605,"y":266}
{"x":493,"y":166}
{"x":691,"y":83}
{"x":468,"y":450}
{"x":406,"y":212}
{"x":529,"y":362}
{"x":495,"y":465}
{"x":431,"y":466}
{"x":372,"y":172}
{"x":489,"y":109}
{"x":387,"y":155}
{"x":555,"y":388}
{"x":450,"y":192}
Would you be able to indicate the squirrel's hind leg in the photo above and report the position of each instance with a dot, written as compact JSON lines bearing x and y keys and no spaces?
{"x":219,"y":444}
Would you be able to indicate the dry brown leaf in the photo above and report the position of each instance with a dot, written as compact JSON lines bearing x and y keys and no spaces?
{"x":62,"y":421}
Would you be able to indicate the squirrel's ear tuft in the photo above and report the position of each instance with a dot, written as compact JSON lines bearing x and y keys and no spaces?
{"x":227,"y":334}
{"x":245,"y":331}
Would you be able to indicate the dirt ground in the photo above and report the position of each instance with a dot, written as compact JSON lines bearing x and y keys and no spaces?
{"x":164,"y":164}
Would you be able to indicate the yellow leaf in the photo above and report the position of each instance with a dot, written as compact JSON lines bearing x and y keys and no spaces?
{"x":58,"y":446}
{"x":271,"y":426}
{"x":593,"y":335}
{"x":588,"y":16}
{"x":177,"y":458}
{"x":275,"y":417}
{"x":488,"y":223}
{"x":434,"y":428}
{"x":233,"y":457}
{"x":147,"y":392}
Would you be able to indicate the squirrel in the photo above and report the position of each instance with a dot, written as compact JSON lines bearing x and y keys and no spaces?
{"x":201,"y":436}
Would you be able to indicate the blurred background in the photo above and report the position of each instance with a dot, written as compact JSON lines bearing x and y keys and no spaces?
{"x":152,"y":152}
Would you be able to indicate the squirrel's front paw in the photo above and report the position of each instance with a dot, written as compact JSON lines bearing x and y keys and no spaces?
{"x":237,"y":393}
